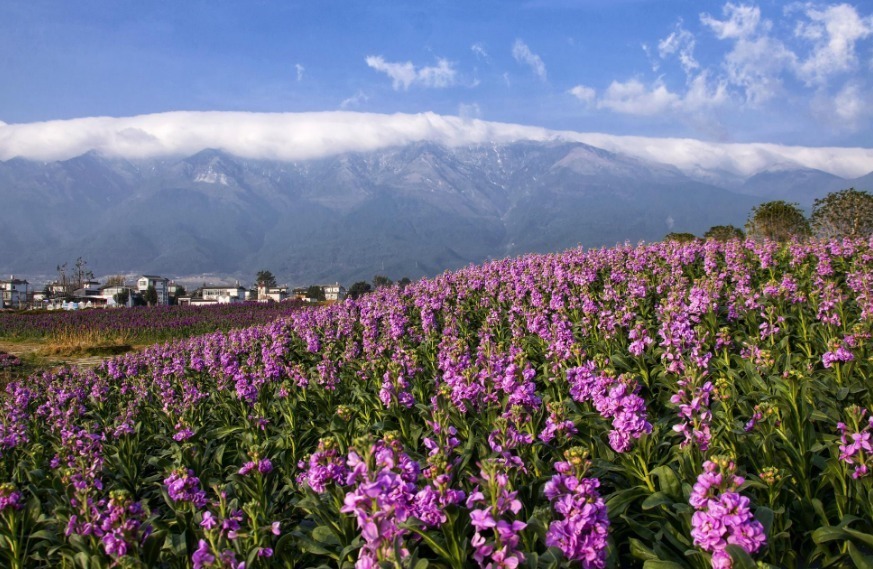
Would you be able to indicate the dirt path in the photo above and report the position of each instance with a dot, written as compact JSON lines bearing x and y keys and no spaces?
{"x":34,"y":351}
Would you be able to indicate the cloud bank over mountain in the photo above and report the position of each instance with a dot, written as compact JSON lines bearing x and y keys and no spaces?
{"x":303,"y":136}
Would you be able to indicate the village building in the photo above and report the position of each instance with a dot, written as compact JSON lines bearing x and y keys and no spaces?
{"x":160,"y":284}
{"x":16,"y":293}
{"x":334,"y":291}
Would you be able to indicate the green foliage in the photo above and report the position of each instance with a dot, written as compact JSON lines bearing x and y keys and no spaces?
{"x":315,"y":292}
{"x":151,"y":296}
{"x":724,"y":233}
{"x":380,"y":281}
{"x":777,"y":221}
{"x":265,"y":278}
{"x":359,"y":289}
{"x":847,"y":213}
{"x":680,"y":237}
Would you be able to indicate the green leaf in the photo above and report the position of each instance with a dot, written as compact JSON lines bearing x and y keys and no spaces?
{"x":827,"y":533}
{"x":661,"y":564}
{"x":861,"y":561}
{"x":640,"y":551}
{"x":741,"y":559}
{"x":324,"y":534}
{"x":765,"y":515}
{"x":864,"y":537}
{"x":668,"y":481}
{"x":655,"y":500}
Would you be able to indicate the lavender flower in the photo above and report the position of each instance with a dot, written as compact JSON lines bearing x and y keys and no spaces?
{"x":582,"y":532}
{"x":723,"y":516}
{"x":184,"y":486}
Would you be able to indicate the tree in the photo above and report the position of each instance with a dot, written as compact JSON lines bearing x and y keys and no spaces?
{"x":380,"y":281}
{"x":724,"y":233}
{"x":265,"y":278}
{"x":680,"y":237}
{"x":404,"y":282}
{"x":359,"y":289}
{"x":847,"y":213}
{"x":777,"y":220}
{"x":151,"y":296}
{"x":115,"y":280}
{"x":315,"y":292}
{"x":122,"y":297}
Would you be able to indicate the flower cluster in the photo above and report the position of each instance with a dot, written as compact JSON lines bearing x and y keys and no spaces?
{"x":614,"y":398}
{"x":694,"y":413}
{"x":855,"y":443}
{"x":383,"y":496}
{"x":723,"y":516}
{"x":493,"y":507}
{"x":323,"y":467}
{"x":9,"y":497}
{"x":122,"y":524}
{"x":557,"y":425}
{"x":263,"y":465}
{"x":184,"y":486}
{"x":582,"y":532}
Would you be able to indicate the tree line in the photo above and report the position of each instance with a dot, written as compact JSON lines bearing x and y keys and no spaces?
{"x":846,"y":213}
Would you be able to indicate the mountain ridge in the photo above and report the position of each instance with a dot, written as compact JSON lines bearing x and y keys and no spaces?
{"x":412,"y":210}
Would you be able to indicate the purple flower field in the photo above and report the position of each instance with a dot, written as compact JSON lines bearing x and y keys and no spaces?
{"x":664,"y":406}
{"x":141,"y":324}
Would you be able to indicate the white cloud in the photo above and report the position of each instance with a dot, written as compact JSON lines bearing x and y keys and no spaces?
{"x":405,"y":74}
{"x":355,"y":100}
{"x":300,"y":136}
{"x":469,"y":111}
{"x":634,"y":98}
{"x":742,"y":21}
{"x":300,"y":69}
{"x":480,"y":52}
{"x":757,"y":60}
{"x":834,"y":32}
{"x":522,"y":54}
{"x":585,"y":94}
{"x":680,"y":42}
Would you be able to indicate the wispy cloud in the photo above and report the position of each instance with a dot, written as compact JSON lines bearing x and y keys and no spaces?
{"x":834,"y":31}
{"x":522,"y":54}
{"x":300,"y":136}
{"x":300,"y":70}
{"x":585,"y":94}
{"x":355,"y":100}
{"x":403,"y":75}
{"x":480,"y":52}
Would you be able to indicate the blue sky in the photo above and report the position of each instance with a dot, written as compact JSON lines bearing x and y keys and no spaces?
{"x":783,"y":72}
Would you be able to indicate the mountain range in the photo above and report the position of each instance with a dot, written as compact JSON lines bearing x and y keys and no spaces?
{"x":411,"y":210}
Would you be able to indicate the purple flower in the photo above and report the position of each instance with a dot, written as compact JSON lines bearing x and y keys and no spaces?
{"x":723,"y":516}
{"x":183,"y":486}
{"x":582,"y":532}
{"x":202,"y":557}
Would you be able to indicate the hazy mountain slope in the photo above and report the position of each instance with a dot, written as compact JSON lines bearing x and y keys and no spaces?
{"x":412,"y":210}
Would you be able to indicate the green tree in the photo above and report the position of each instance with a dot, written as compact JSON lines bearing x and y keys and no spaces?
{"x":680,"y":237}
{"x":315,"y":292}
{"x":404,"y":282}
{"x":724,"y":233}
{"x":359,"y":289}
{"x":265,"y":278}
{"x":777,"y":220}
{"x":151,"y":296}
{"x":380,"y":281}
{"x":122,"y":297}
{"x":847,"y":213}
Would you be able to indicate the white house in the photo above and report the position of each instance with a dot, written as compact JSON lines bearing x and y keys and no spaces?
{"x":274,"y":293}
{"x":224,"y":294}
{"x":334,"y":291}
{"x":160,"y":284}
{"x":15,"y":292}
